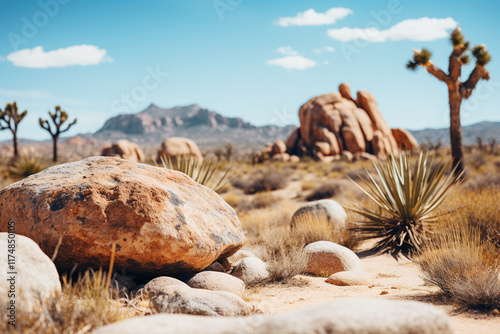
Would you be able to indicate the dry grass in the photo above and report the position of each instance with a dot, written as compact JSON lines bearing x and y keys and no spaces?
{"x":464,"y":266}
{"x":84,"y":305}
{"x":331,"y":188}
{"x":480,"y":208}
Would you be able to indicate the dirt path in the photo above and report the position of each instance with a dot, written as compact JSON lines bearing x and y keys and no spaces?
{"x":399,"y":279}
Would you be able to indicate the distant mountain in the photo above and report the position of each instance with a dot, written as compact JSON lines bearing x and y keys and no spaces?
{"x":207,"y":128}
{"x":487,"y":130}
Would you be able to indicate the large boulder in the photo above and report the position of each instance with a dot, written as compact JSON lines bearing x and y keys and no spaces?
{"x":175,"y":146}
{"x":217,"y":281}
{"x":340,"y":316}
{"x":185,"y":300}
{"x":327,"y":258}
{"x":27,"y":275}
{"x":327,"y":209}
{"x":162,"y":222}
{"x":125,"y":150}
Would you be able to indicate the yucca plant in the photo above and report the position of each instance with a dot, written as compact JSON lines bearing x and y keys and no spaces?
{"x":208,"y":173}
{"x":406,"y":199}
{"x":27,"y":165}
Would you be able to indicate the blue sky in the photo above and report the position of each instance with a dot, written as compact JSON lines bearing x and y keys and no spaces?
{"x":258,"y":60}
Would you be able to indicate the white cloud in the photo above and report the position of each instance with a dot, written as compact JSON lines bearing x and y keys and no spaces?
{"x":287,"y":51}
{"x":311,"y":18}
{"x":82,"y":55}
{"x":37,"y":95}
{"x":324,"y":49}
{"x":293,"y":62}
{"x":422,"y":29}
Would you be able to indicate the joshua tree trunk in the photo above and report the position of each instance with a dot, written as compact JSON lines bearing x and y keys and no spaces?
{"x":456,"y":128}
{"x":14,"y":143}
{"x":54,"y":149}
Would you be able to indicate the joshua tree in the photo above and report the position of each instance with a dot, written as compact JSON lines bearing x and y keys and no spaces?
{"x":10,"y":119}
{"x":457,"y":90}
{"x":218,"y":153}
{"x":479,"y":141}
{"x":58,"y":118}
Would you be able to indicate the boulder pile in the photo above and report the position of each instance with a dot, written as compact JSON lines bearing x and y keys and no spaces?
{"x":335,"y":124}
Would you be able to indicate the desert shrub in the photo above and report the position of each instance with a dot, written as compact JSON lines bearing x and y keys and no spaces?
{"x":208,"y":173}
{"x":84,"y":305}
{"x":466,"y":268}
{"x":245,"y":204}
{"x":26,"y":165}
{"x":482,"y":180}
{"x":263,"y":180}
{"x":308,"y":185}
{"x":406,"y":199}
{"x":329,"y":189}
{"x":480,"y":208}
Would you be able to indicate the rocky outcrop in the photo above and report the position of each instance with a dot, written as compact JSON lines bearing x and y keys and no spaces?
{"x":340,"y":316}
{"x":162,"y":222}
{"x":333,"y":123}
{"x":174,"y":146}
{"x":27,"y":272}
{"x":125,"y":150}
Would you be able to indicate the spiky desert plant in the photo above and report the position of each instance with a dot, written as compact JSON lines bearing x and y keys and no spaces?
{"x":25,"y":166}
{"x":208,"y":173}
{"x":406,"y":198}
{"x":58,"y":118}
{"x":10,"y":119}
{"x":457,"y":90}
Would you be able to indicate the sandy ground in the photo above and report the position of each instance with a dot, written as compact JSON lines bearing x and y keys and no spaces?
{"x":399,"y":279}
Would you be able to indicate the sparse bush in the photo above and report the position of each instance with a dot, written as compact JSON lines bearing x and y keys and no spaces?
{"x":465,"y":267}
{"x":267,"y":180}
{"x":308,"y":185}
{"x":27,"y":165}
{"x":480,"y":208}
{"x":406,"y":198}
{"x":329,"y":189}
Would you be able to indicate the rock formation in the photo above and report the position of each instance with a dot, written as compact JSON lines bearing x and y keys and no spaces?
{"x":125,"y":150}
{"x":334,"y":123}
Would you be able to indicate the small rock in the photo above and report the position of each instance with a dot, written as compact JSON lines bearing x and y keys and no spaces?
{"x":36,"y":278}
{"x":159,"y":284}
{"x":185,"y":300}
{"x":384,"y":293}
{"x":217,"y":281}
{"x":328,"y":258}
{"x":250,"y":270}
{"x":294,"y":158}
{"x":324,"y":208}
{"x":216,"y":266}
{"x":341,"y":316}
{"x":240,"y":254}
{"x":355,"y":277}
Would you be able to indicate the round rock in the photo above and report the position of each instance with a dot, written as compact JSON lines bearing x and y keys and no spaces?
{"x":217,"y":281}
{"x":325,"y":209}
{"x":158,"y":284}
{"x":250,"y":270}
{"x":327,"y":258}
{"x":347,"y":278}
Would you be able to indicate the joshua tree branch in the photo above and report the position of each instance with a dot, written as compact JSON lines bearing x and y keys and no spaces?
{"x":69,"y":126}
{"x":478,"y":73}
{"x":436,"y":71}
